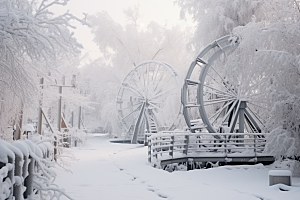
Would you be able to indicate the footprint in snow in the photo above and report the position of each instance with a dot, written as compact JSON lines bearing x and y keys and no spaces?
{"x":151,"y":190}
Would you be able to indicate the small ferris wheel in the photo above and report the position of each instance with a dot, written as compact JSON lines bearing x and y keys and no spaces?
{"x":148,"y":100}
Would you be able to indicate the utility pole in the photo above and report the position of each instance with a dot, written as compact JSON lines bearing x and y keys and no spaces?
{"x":40,"y":119}
{"x":79,"y":117}
{"x":60,"y":102}
{"x":72,"y":120}
{"x":80,"y":113}
{"x":60,"y":87}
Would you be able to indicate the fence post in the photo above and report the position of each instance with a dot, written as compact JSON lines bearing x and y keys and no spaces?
{"x":146,"y":140}
{"x":25,"y":168}
{"x":29,"y":179}
{"x":18,"y":172}
{"x":149,"y":151}
{"x":55,"y":148}
{"x":156,"y":149}
{"x":172,"y":147}
{"x":190,"y":164}
{"x":11,"y":176}
{"x":187,"y":140}
{"x":225,"y":148}
{"x":255,"y":137}
{"x":161,"y":148}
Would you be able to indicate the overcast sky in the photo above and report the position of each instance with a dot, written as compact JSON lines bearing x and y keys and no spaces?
{"x":162,"y":11}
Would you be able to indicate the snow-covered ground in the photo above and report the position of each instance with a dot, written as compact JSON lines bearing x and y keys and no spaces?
{"x":121,"y":172}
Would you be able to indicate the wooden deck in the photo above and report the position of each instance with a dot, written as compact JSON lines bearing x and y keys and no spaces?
{"x":266,"y":160}
{"x":227,"y":148}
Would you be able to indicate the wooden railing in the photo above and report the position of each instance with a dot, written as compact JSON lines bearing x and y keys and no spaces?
{"x":20,"y":161}
{"x":172,"y":145}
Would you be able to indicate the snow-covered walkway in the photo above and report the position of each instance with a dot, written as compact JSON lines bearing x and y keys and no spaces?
{"x":109,"y":171}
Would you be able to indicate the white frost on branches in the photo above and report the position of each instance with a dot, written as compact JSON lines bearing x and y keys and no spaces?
{"x":267,"y":57}
{"x":33,"y":40}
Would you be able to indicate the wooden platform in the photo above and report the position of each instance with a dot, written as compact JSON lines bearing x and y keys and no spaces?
{"x":227,"y":148}
{"x":266,"y":160}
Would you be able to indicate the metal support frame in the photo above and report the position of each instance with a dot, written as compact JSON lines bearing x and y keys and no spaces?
{"x":242,"y":108}
{"x":138,"y":124}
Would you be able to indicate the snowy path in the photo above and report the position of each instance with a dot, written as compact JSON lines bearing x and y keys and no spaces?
{"x":120,"y":172}
{"x":96,"y":176}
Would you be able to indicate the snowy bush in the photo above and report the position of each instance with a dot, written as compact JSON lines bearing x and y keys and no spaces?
{"x":78,"y":136}
{"x":282,"y":143}
{"x":287,"y":164}
{"x":61,"y":142}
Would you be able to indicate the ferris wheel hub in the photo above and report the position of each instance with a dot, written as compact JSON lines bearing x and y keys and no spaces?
{"x":244,"y":99}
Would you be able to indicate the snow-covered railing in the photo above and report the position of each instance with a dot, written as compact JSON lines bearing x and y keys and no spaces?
{"x":25,"y":169}
{"x":171,"y":145}
{"x":146,"y":138}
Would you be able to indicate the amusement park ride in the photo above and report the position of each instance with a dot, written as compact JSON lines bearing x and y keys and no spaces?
{"x":147,"y":100}
{"x":217,"y":102}
{"x":220,"y":99}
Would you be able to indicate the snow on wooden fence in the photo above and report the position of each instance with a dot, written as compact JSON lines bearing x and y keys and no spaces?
{"x":170,"y":147}
{"x":25,"y":169}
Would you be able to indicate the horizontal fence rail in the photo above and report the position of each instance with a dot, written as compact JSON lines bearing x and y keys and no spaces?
{"x":228,"y":146}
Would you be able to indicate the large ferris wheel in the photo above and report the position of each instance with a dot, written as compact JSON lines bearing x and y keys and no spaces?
{"x":148,"y":100}
{"x":221,"y":99}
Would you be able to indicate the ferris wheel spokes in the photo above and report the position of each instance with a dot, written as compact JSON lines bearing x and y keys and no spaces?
{"x":146,"y":94}
{"x":219,"y":112}
{"x":220,"y":91}
{"x":223,"y":98}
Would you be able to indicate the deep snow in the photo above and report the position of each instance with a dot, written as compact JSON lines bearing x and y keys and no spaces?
{"x":120,"y":171}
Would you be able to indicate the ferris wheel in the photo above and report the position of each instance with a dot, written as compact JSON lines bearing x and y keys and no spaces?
{"x":148,"y":100}
{"x":219,"y":97}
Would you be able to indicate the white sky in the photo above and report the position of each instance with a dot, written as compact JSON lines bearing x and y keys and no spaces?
{"x":162,"y":11}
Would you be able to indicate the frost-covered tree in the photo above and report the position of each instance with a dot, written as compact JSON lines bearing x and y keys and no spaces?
{"x":101,"y":82}
{"x":133,"y":43}
{"x":215,"y":19}
{"x":124,"y":47}
{"x":32,"y":38}
{"x":268,"y":55}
